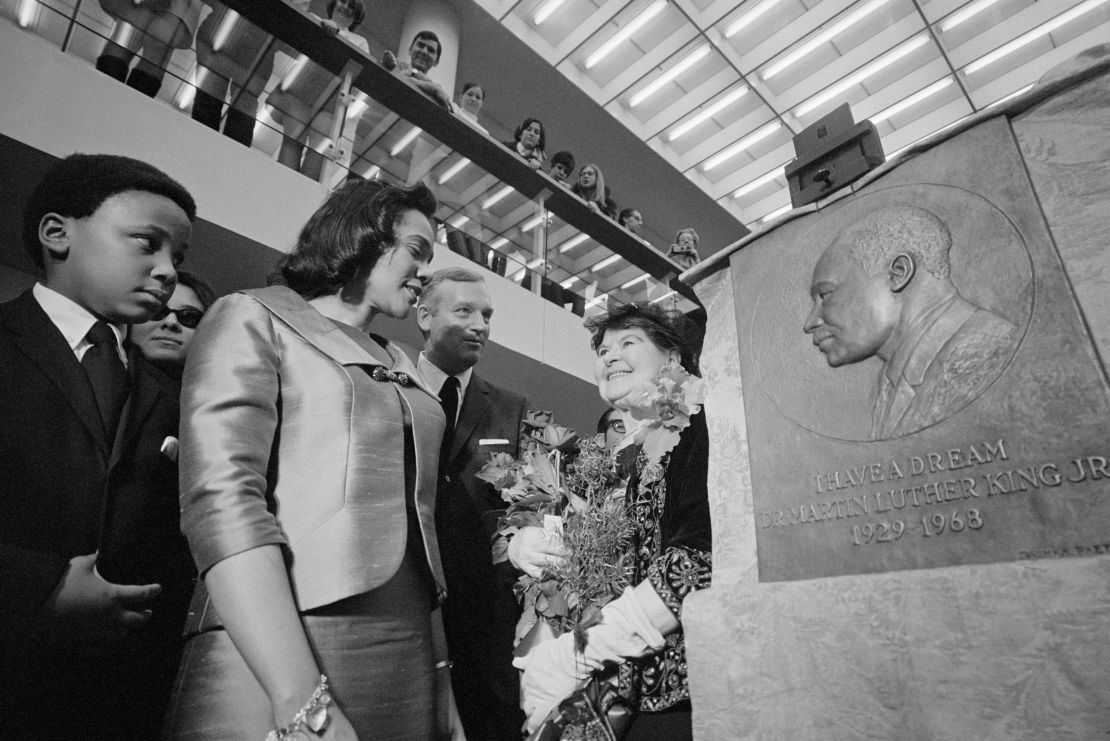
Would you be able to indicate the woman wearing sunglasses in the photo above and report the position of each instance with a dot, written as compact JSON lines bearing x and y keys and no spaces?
{"x":165,"y":339}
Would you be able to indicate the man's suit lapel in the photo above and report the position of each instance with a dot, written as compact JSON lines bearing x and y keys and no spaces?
{"x":474,"y":409}
{"x":43,"y":343}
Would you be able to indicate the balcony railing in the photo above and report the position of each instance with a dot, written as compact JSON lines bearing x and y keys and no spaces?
{"x":272,"y":76}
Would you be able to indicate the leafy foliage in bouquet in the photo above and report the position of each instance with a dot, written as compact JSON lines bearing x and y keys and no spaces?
{"x":598,"y":538}
{"x":569,"y":486}
{"x":662,"y":409}
{"x":532,"y":486}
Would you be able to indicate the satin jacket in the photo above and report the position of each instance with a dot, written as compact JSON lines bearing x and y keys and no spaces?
{"x":287,"y":438}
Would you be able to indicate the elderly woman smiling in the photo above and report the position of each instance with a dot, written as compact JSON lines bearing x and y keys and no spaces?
{"x":639,"y":640}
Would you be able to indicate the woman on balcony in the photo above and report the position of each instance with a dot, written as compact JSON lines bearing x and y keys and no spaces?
{"x":529,"y":141}
{"x":592,"y":189}
{"x":470,"y":102}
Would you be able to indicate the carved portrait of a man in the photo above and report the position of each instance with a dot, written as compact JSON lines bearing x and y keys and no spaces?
{"x":883,"y":289}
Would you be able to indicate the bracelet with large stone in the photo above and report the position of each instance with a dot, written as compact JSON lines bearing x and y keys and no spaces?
{"x":313,"y":716}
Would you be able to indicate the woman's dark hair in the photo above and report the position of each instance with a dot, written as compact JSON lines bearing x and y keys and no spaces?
{"x":670,"y":331}
{"x":542,"y":146}
{"x":200,"y":287}
{"x":360,"y":12}
{"x":468,"y":85}
{"x":565,"y":158}
{"x":77,"y":186}
{"x":624,"y":214}
{"x":347,"y":235}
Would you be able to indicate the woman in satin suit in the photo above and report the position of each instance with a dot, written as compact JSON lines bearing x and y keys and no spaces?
{"x":308,"y":467}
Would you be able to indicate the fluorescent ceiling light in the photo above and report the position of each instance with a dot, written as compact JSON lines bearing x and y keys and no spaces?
{"x":964,"y":13}
{"x":188,"y":89}
{"x":741,"y":145}
{"x":776,"y":213}
{"x":573,"y":242}
{"x":224,"y":31}
{"x":824,"y":36}
{"x":758,"y":183}
{"x":1011,"y":96}
{"x":453,"y":170}
{"x":625,"y":33}
{"x":664,"y":297}
{"x":546,"y":10}
{"x":628,"y":284}
{"x":294,"y":70}
{"x":569,"y":281}
{"x":708,"y":113}
{"x":372,"y":172}
{"x":498,"y":243}
{"x":535,"y":263}
{"x":856,"y":78}
{"x":533,"y":222}
{"x":605,"y":263}
{"x":911,"y":101}
{"x":496,"y":197}
{"x":602,"y":299}
{"x":359,"y":105}
{"x":1031,"y":36}
{"x":692,"y":59}
{"x":404,"y":141}
{"x":749,"y":18}
{"x":459,"y":220}
{"x":27,"y":10}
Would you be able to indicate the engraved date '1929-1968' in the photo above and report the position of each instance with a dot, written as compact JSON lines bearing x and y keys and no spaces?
{"x":938,"y":523}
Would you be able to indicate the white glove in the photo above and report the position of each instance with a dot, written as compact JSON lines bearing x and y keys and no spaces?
{"x":534,"y":548}
{"x":553,"y":670}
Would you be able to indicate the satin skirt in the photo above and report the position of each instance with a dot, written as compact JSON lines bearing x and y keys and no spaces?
{"x":375,"y":648}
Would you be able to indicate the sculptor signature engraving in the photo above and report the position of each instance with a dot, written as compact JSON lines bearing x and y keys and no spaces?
{"x":883,"y":288}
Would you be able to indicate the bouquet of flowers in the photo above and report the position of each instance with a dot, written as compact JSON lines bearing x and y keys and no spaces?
{"x":572,"y":489}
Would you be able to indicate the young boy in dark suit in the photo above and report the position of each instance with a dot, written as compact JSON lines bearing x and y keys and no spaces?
{"x":94,"y":574}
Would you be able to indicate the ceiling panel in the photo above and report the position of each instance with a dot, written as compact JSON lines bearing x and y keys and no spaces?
{"x":913,"y":66}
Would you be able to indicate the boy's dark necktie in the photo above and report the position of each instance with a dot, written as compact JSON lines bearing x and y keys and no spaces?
{"x":107,"y":376}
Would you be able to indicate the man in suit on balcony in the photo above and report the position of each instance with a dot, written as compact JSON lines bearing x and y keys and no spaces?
{"x":424,"y":53}
{"x":480,"y":612}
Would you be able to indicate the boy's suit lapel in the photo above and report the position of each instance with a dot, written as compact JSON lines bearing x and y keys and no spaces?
{"x":44,"y":344}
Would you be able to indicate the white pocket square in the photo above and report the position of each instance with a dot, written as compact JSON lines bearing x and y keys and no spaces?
{"x":170,"y":447}
{"x":492,"y":441}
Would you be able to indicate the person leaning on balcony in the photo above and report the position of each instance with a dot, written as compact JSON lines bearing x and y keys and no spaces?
{"x":470,"y":102}
{"x":310,"y":450}
{"x":156,"y":27}
{"x":424,"y":53}
{"x":562,"y":165}
{"x":529,"y":141}
{"x":592,"y":189}
{"x":294,"y":100}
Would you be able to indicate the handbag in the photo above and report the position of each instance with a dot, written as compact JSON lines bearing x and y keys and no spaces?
{"x":596,"y":712}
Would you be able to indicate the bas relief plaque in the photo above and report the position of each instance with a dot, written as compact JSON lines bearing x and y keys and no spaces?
{"x":920,"y":386}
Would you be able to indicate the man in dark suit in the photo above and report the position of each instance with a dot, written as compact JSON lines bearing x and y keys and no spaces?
{"x":94,"y":573}
{"x":480,"y":612}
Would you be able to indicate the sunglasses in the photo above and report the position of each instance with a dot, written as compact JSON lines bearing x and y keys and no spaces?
{"x":187,"y":316}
